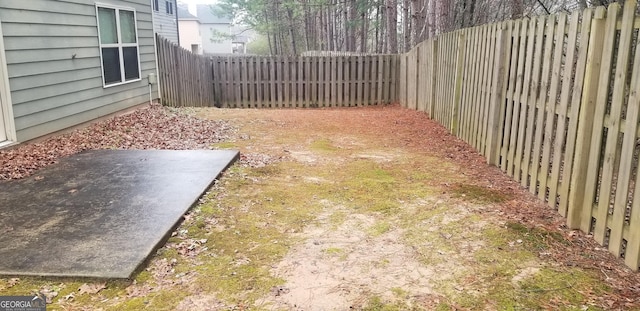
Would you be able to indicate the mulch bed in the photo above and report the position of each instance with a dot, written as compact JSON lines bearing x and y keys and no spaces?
{"x":152,"y":127}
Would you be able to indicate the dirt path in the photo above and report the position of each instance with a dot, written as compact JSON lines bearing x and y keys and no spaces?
{"x":366,"y":209}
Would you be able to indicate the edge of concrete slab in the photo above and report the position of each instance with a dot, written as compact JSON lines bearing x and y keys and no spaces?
{"x":143,"y":262}
{"x":178,"y":222}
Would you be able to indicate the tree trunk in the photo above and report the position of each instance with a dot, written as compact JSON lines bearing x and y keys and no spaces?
{"x":516,"y":9}
{"x":351,"y":25}
{"x":292,"y":31}
{"x":392,"y":26}
{"x":406,"y":26}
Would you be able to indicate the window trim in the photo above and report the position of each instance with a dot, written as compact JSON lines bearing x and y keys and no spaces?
{"x":169,"y":7}
{"x":119,"y":45}
{"x":156,"y":5}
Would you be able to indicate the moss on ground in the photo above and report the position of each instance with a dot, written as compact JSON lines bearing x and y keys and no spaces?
{"x":507,"y":275}
{"x":478,"y":194}
{"x":225,"y":145}
{"x":323,"y":145}
{"x":249,"y":221}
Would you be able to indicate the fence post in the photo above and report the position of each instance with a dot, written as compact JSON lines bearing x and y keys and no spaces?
{"x":402,"y":79}
{"x":433,"y":74}
{"x":497,"y":98}
{"x":585,"y":124}
{"x":457,"y":93}
{"x":416,"y":76}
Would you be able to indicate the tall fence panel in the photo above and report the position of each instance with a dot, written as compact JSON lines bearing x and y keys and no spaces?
{"x":553,"y":101}
{"x":304,"y":81}
{"x":185,"y":78}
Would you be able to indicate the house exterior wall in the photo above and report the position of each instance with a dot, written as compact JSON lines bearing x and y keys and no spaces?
{"x":54,"y":65}
{"x":216,"y":45}
{"x":190,"y":34}
{"x":166,"y":24}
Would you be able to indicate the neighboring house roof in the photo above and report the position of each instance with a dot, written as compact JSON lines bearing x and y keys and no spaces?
{"x":207,"y":15}
{"x":183,"y":14}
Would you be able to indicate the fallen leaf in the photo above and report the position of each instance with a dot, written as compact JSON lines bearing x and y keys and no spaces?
{"x":93,"y":288}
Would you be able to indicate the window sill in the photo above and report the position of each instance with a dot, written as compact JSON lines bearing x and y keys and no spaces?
{"x":106,"y":86}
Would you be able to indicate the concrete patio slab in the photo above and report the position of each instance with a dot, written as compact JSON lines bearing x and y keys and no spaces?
{"x":100,"y":213}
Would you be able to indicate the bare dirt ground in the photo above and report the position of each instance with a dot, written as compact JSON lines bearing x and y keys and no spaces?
{"x":373,"y":208}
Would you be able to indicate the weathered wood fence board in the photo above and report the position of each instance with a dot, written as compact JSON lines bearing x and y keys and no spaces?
{"x":304,"y":81}
{"x":326,"y":80}
{"x":185,"y":78}
{"x":553,"y":101}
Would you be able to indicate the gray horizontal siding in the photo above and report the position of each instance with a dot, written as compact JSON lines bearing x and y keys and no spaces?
{"x":43,"y":80}
{"x":54,"y":68}
{"x":106,"y":108}
{"x":62,"y":88}
{"x":164,"y":24}
{"x":71,"y":109}
{"x":30,"y":56}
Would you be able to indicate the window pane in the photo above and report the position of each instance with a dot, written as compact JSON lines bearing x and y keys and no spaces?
{"x":107,"y":20}
{"x":131,"y":71}
{"x":111,"y":65}
{"x":127,"y":26}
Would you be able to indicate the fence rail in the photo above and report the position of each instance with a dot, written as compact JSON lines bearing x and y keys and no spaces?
{"x":553,"y":101}
{"x":305,"y":81}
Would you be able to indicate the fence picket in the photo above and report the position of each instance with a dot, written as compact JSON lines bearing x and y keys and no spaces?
{"x":536,"y":186}
{"x":544,"y":192}
{"x":616,"y":224}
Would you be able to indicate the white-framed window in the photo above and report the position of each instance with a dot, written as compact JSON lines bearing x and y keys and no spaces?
{"x":156,"y":5}
{"x":119,"y":50}
{"x":169,"y":7}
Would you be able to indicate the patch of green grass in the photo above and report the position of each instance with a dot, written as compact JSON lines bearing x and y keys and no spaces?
{"x":258,"y":222}
{"x":333,"y":251}
{"x":496,"y":266}
{"x":535,"y":238}
{"x":478,"y":194}
{"x":379,"y":229}
{"x":336,"y":252}
{"x":368,"y":186}
{"x":160,"y":300}
{"x":399,"y":292}
{"x":225,"y":145}
{"x":268,"y":170}
{"x":337,"y":218}
{"x":323,"y":145}
{"x":376,"y":303}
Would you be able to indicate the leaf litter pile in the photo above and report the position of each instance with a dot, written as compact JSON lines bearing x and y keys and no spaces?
{"x":250,"y":244}
{"x":152,"y":127}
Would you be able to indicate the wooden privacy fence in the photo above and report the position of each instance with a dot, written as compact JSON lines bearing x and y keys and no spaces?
{"x":553,"y":101}
{"x":185,"y":78}
{"x":305,"y":81}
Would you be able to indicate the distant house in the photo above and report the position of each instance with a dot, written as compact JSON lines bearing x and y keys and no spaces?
{"x":189,"y":31}
{"x":165,"y":19}
{"x":64,"y":63}
{"x":240,"y":39}
{"x":215,"y":31}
